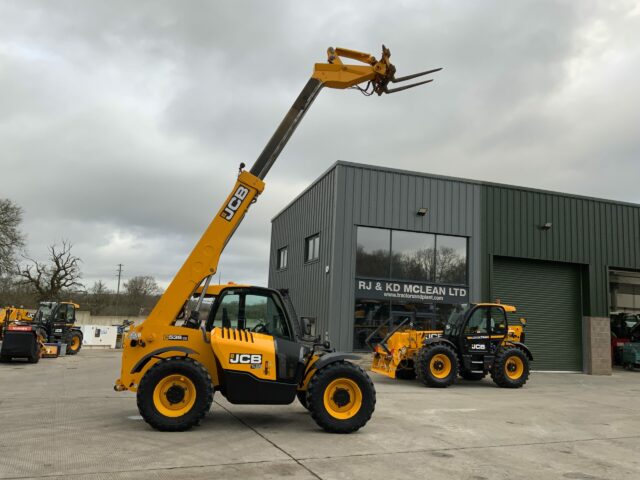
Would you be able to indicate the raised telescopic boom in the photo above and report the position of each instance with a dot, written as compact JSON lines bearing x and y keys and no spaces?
{"x":202,"y":263}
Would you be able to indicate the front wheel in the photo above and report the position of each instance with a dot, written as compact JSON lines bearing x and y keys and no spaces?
{"x":74,"y":342}
{"x":341,"y":397}
{"x":511,"y":368}
{"x":437,"y":365}
{"x":175,"y":394}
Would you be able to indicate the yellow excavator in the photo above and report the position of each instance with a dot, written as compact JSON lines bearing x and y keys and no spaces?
{"x":250,"y":347}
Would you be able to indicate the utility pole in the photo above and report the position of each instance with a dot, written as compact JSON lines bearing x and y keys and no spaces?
{"x":118,"y":290}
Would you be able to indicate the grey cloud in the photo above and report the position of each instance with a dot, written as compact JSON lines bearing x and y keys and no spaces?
{"x":122,"y":124}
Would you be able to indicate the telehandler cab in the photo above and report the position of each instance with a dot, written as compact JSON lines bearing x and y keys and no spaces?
{"x":476,"y":341}
{"x":249,"y":346}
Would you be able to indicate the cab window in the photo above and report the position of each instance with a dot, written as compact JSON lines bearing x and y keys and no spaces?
{"x":64,"y":312}
{"x":228,"y":310}
{"x":477,"y":322}
{"x":264,"y":315}
{"x":255,"y":311}
{"x":498,"y":321}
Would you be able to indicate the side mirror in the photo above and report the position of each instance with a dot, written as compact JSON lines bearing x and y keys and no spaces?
{"x":523,"y":321}
{"x":305,"y":326}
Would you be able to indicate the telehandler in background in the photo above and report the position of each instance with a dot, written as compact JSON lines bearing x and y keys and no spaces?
{"x":20,"y":337}
{"x":250,"y":347}
{"x":53,"y":322}
{"x":476,"y":340}
{"x":13,"y":314}
{"x":56,"y":321}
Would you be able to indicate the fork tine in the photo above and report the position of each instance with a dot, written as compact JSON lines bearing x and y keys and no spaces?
{"x":415,"y":75}
{"x":399,"y":89}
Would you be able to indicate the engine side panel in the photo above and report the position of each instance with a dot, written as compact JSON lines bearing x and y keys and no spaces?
{"x":245,"y":351}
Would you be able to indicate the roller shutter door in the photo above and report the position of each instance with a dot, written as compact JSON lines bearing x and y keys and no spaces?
{"x":547,"y":294}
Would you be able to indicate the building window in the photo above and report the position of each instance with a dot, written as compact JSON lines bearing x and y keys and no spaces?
{"x":373,"y":252}
{"x":451,"y":259}
{"x":282,"y":258}
{"x":312,"y":248}
{"x":413,"y":256}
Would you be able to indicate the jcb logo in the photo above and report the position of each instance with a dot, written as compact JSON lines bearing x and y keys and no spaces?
{"x":434,"y":335}
{"x":245,"y":359}
{"x":478,"y":346}
{"x":235,"y":202}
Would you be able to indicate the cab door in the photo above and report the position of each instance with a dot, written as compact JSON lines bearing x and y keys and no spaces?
{"x":498,"y":327}
{"x":475,"y":334}
{"x":255,"y":346}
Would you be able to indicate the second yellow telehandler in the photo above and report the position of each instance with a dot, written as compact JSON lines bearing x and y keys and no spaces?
{"x":477,"y":340}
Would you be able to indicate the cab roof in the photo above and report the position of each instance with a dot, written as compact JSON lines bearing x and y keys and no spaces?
{"x":75,"y":305}
{"x":507,"y":308}
{"x":214,"y":290}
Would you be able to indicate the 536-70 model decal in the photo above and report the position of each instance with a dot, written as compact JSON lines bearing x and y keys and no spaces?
{"x":174,"y":337}
{"x":245,"y":358}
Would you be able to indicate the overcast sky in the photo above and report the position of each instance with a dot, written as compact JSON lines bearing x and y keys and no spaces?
{"x":122,"y":124}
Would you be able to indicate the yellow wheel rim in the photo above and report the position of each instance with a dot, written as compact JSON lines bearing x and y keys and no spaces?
{"x":75,"y":342}
{"x":342,"y":398}
{"x":174,"y":395}
{"x":440,"y":366}
{"x":514,"y":367}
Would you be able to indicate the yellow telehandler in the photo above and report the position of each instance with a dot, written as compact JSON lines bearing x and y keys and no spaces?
{"x":250,"y":347}
{"x":476,"y":340}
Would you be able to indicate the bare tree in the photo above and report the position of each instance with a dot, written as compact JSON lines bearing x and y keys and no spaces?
{"x":140,"y":293}
{"x":99,"y":297}
{"x":49,"y":279}
{"x":11,"y":238}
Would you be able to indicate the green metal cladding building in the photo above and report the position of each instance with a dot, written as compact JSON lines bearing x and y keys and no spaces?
{"x":362,"y":244}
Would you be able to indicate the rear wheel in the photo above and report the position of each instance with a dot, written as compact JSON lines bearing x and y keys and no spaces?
{"x":74,"y":342}
{"x":341,"y":397}
{"x":35,"y":357}
{"x":511,"y":368}
{"x":437,"y":365}
{"x":175,"y":394}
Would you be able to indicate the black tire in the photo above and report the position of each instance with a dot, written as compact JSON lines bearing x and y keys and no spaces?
{"x":302,"y":398}
{"x":35,"y":358}
{"x":355,"y":377}
{"x":431,"y":376}
{"x":202,"y":388}
{"x":73,"y":334}
{"x":508,"y":358}
{"x":467,"y":375}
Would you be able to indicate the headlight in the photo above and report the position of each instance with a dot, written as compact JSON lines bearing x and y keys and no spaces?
{"x":134,"y":336}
